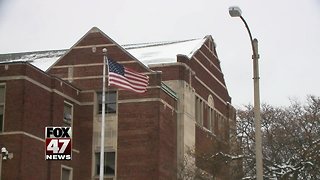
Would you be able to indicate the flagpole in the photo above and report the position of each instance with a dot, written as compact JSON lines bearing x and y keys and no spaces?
{"x":104,"y":50}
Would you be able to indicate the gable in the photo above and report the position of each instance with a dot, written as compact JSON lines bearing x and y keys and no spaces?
{"x":208,"y":75}
{"x":82,"y":64}
{"x":202,"y":71}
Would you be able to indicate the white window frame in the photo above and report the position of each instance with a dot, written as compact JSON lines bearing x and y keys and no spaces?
{"x":68,"y":168}
{"x":72,"y":109}
{"x":106,"y":110}
{"x":115,"y":163}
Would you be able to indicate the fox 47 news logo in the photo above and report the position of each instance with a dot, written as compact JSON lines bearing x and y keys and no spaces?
{"x":58,"y":143}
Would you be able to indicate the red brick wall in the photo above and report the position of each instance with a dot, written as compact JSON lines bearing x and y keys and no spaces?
{"x":168,"y":143}
{"x":11,"y":169}
{"x":146,"y":141}
{"x":138,"y":140}
{"x":29,"y":108}
{"x":36,"y":109}
{"x":142,"y":146}
{"x":93,"y":38}
{"x":14,"y":105}
{"x":208,"y":145}
{"x":84,"y":115}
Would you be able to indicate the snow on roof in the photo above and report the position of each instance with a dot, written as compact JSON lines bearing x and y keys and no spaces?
{"x":41,"y":59}
{"x":147,"y":53}
{"x":163,"y":52}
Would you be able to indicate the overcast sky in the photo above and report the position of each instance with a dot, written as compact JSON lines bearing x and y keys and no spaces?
{"x":288,"y":32}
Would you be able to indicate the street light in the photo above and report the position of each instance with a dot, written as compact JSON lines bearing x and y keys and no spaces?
{"x":236,"y":12}
{"x":4,"y":156}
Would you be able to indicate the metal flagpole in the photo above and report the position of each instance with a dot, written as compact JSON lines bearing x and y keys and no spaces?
{"x":104,"y":50}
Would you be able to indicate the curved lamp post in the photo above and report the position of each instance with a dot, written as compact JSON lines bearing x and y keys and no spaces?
{"x":236,"y":12}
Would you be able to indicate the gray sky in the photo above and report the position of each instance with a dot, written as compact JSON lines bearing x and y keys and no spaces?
{"x":288,"y":32}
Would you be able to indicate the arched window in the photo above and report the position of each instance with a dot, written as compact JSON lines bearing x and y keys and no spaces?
{"x":210,"y":101}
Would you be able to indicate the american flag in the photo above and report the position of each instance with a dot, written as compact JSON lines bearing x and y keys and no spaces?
{"x":127,"y":79}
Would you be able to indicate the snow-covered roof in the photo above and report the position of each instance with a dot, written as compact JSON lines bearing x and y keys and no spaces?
{"x":163,"y":52}
{"x":147,"y":53}
{"x":41,"y":59}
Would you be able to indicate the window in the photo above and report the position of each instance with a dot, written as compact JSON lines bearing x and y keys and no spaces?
{"x":213,"y":121}
{"x":201,"y":112}
{"x":111,"y":102}
{"x":205,"y":121}
{"x":211,"y":112}
{"x":198,"y":110}
{"x":109,"y":163}
{"x":210,"y":119}
{"x":67,"y":114}
{"x":66,"y":173}
{"x":2,"y":102}
{"x":199,"y":107}
{"x":216,"y":122}
{"x":221,"y":126}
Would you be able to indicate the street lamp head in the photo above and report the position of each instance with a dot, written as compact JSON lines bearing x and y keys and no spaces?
{"x":3,"y":150}
{"x":235,"y":11}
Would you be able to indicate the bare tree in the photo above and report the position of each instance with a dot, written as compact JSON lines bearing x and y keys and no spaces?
{"x":291,"y":146}
{"x":291,"y":140}
{"x":188,"y":170}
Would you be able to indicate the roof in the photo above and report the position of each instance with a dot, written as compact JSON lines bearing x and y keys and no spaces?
{"x":41,"y":59}
{"x":163,"y":52}
{"x":147,"y":53}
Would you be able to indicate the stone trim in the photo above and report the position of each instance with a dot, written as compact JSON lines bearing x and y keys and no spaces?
{"x":30,"y":136}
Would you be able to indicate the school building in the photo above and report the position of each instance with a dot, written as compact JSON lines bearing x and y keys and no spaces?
{"x":147,"y":136}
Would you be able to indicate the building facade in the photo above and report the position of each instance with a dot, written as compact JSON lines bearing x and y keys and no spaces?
{"x":186,"y":106}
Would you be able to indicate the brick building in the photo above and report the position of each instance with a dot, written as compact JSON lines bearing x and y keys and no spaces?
{"x":186,"y":105}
